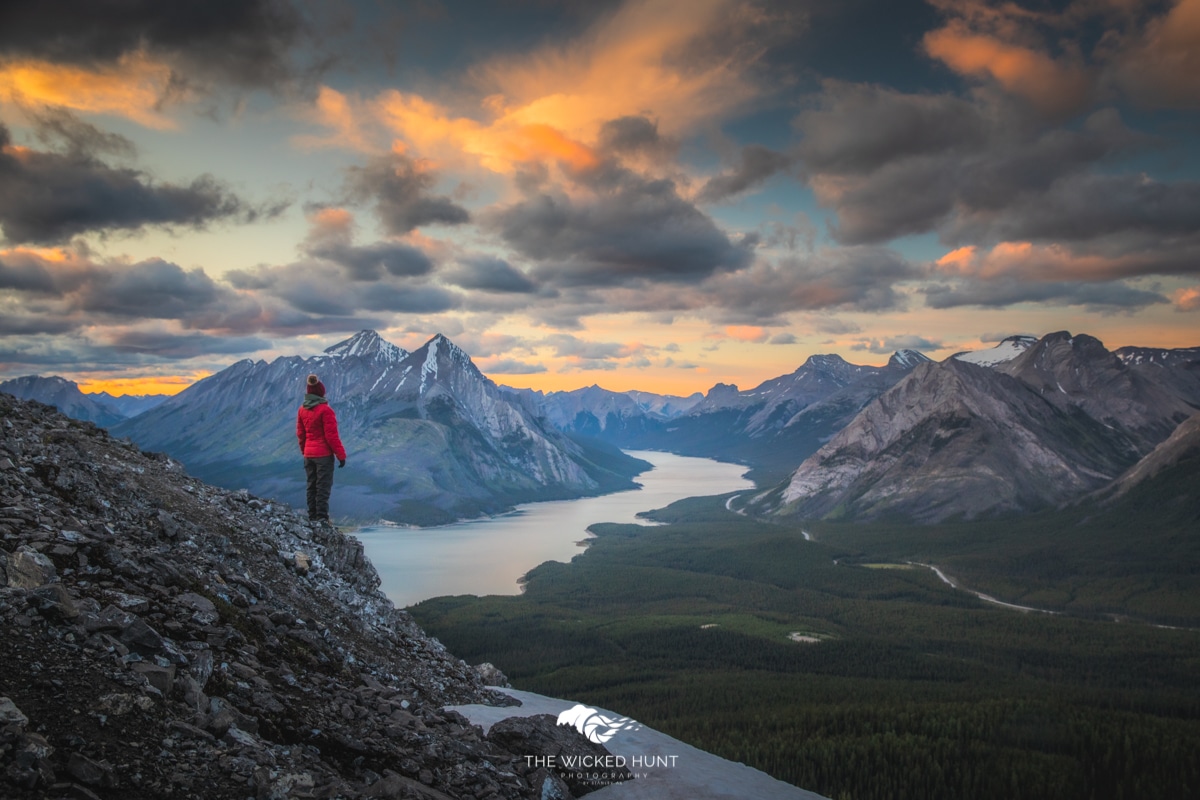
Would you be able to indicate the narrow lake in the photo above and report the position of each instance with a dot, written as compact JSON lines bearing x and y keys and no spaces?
{"x":489,"y":556}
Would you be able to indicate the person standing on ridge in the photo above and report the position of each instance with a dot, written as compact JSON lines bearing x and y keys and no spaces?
{"x":317,"y":430}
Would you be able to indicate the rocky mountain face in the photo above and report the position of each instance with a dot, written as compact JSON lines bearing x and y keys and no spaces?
{"x":429,"y":437}
{"x":166,"y":638}
{"x":1079,"y":372}
{"x":1063,"y":417}
{"x":103,"y":409}
{"x":779,"y":423}
{"x":619,"y":417}
{"x":1182,"y":445}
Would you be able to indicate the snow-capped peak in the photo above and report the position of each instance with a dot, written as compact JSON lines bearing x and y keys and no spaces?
{"x":367,"y":344}
{"x":1005,"y":351}
{"x":907,"y":359}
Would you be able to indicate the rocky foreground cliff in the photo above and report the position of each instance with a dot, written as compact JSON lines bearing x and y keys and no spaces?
{"x":165,"y":638}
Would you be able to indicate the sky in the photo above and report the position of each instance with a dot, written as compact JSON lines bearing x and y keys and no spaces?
{"x":643,"y":194}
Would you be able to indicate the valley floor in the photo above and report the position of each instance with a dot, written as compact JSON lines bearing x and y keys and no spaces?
{"x":702,"y":628}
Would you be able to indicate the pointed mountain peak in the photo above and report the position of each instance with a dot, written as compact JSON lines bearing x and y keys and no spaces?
{"x":907,"y":359}
{"x":367,"y":344}
{"x":442,"y":357}
{"x":442,"y":348}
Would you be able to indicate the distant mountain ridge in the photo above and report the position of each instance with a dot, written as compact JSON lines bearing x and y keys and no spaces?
{"x":1063,"y":417}
{"x":103,"y":409}
{"x":430,"y":438}
{"x":772,"y":426}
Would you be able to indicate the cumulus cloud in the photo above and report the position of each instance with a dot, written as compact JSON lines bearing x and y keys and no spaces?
{"x":65,"y":291}
{"x":755,"y":165}
{"x":400,"y":189}
{"x":489,"y":274}
{"x":783,"y":338}
{"x":855,"y":129}
{"x":848,"y":278}
{"x":1046,"y":199}
{"x":48,"y":196}
{"x":323,"y":289}
{"x":637,"y":229}
{"x":930,"y":174}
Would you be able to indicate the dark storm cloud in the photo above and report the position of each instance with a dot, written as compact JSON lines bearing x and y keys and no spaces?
{"x":27,"y":324}
{"x":48,"y":197}
{"x":400,"y":192}
{"x":183,"y":346}
{"x":755,"y":164}
{"x":1086,"y":207}
{"x":244,"y":42}
{"x":153,"y":289}
{"x":928,"y":192}
{"x":631,"y":229}
{"x":74,"y":291}
{"x":857,"y":129}
{"x":1112,"y":296}
{"x":371,"y":262}
{"x":26,"y":274}
{"x":316,"y":288}
{"x":489,"y":274}
{"x":893,"y":164}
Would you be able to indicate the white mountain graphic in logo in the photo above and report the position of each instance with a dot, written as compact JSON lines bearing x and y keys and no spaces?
{"x":596,"y":726}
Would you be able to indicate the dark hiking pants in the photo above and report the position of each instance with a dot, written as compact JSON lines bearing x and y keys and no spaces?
{"x":319,"y":472}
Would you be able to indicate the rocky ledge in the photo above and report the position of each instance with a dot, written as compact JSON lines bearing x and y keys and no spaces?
{"x":163,"y":638}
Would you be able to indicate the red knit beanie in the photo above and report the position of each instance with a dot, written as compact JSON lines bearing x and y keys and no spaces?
{"x":314,"y":386}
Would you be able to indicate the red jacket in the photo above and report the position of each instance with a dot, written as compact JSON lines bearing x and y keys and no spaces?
{"x":317,"y":430}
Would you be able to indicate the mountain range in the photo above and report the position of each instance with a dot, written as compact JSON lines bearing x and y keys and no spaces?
{"x":771,"y":427}
{"x":430,"y":438}
{"x":1062,"y":418}
{"x":103,"y":408}
{"x":1028,"y":424}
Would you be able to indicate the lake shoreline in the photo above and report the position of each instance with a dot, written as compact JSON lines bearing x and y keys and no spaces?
{"x":489,"y":555}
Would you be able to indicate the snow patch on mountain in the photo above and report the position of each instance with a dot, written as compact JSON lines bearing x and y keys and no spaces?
{"x":1005,"y":351}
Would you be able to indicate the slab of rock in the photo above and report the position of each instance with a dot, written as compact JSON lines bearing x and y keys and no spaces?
{"x":89,"y":772}
{"x":140,"y":637}
{"x":29,"y":569}
{"x":490,"y":674}
{"x":10,"y":714}
{"x":161,"y":678}
{"x":204,"y":612}
{"x":54,"y":602}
